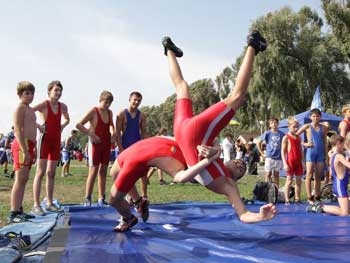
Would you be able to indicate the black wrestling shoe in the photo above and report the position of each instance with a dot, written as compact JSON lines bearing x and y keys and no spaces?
{"x":142,"y":208}
{"x":169,"y":45}
{"x":256,"y":41}
{"x":125,"y":224}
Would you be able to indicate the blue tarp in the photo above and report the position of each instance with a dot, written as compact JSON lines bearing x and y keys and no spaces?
{"x":207,"y":232}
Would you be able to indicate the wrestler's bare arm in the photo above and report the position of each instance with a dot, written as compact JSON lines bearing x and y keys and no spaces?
{"x":119,"y":123}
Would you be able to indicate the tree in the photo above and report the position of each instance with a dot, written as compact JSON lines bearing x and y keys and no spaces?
{"x":203,"y":95}
{"x":299,"y":58}
{"x":337,"y":14}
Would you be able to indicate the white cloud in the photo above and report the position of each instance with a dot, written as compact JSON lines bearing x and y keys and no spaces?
{"x":88,"y":54}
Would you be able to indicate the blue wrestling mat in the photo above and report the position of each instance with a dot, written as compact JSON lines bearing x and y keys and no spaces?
{"x":202,"y":232}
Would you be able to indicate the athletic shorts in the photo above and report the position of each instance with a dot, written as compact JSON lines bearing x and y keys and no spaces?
{"x":295,"y":168}
{"x":18,"y":156}
{"x":3,"y":156}
{"x":314,"y":156}
{"x":98,"y":153}
{"x":272,"y":165}
{"x":65,"y":158}
{"x":49,"y":149}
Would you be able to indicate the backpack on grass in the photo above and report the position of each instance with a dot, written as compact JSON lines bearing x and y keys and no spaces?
{"x":266,"y":192}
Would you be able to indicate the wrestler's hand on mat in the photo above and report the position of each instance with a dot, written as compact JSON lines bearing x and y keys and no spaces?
{"x":268,"y":211}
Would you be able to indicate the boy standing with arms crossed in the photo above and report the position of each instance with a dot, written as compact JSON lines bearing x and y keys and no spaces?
{"x":23,"y":149}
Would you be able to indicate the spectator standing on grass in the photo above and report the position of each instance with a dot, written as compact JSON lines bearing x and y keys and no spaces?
{"x":253,"y":157}
{"x":292,"y":157}
{"x":70,"y":144}
{"x":227,"y":147}
{"x":273,"y":160}
{"x":49,"y":144}
{"x":23,"y":149}
{"x":101,"y":133}
{"x":315,"y":157}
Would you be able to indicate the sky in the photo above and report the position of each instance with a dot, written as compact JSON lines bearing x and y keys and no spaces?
{"x":115,"y":45}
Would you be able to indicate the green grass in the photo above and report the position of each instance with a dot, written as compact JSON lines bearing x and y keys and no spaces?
{"x":71,"y":190}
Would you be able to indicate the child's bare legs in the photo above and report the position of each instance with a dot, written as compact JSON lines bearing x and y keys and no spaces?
{"x":102,"y":176}
{"x":318,"y":174}
{"x":18,"y":188}
{"x":309,"y":171}
{"x":39,"y":174}
{"x":268,"y":176}
{"x":50,"y":181}
{"x":276,"y":178}
{"x":287,"y":187}
{"x":298,"y":188}
{"x":90,"y":181}
{"x":341,"y":210}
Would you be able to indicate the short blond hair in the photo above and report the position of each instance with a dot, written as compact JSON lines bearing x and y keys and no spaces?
{"x":345,"y":108}
{"x":291,"y":120}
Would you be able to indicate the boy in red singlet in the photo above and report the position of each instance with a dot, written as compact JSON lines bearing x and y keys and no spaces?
{"x":344,"y":125}
{"x":101,"y":133}
{"x":51,"y":112}
{"x":292,"y":157}
{"x":23,"y":149}
{"x":134,"y":162}
{"x":203,"y":128}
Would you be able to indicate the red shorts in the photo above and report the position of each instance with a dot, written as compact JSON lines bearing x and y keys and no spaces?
{"x":18,"y":156}
{"x":49,"y":148}
{"x":99,"y":153}
{"x":295,"y":168}
{"x":203,"y":128}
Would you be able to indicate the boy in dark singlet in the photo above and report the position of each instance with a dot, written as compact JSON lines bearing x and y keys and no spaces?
{"x":101,"y":133}
{"x":49,"y":144}
{"x":130,"y":128}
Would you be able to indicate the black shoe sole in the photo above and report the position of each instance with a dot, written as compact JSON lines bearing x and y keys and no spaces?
{"x":168,"y":44}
